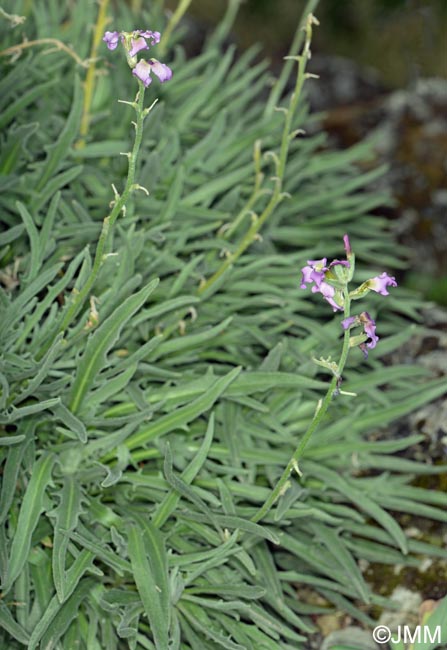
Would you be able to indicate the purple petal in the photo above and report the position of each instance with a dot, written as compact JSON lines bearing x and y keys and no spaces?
{"x":154,"y":37}
{"x":318,"y":265}
{"x":369,"y":327}
{"x":328,"y":293}
{"x":348,"y":322}
{"x":137,"y":45}
{"x":381,"y":282}
{"x":309,"y":275}
{"x":341,"y":262}
{"x":314,"y":272}
{"x":347,"y":244}
{"x":162,"y":71}
{"x":306,"y":276}
{"x":143,"y":71}
{"x":111,"y":39}
{"x":364,"y":349}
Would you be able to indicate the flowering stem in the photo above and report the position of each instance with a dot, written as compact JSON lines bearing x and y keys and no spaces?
{"x":247,"y":209}
{"x":280,"y":162}
{"x":119,"y":204}
{"x":281,"y":82}
{"x":320,"y":412}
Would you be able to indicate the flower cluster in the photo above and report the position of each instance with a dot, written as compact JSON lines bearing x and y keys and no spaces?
{"x":331,"y":281}
{"x":134,"y":42}
{"x":318,"y":273}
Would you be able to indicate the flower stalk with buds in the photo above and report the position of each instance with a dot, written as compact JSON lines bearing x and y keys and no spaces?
{"x":332,"y":280}
{"x":133,"y":43}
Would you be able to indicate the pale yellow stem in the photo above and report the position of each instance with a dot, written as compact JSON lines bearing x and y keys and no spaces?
{"x":172,"y":24}
{"x":89,"y":84}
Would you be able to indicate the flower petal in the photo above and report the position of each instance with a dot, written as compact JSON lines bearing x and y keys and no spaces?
{"x":162,"y":71}
{"x":112,"y":39}
{"x":339,"y":262}
{"x":143,"y":71}
{"x":154,"y":37}
{"x":381,"y":282}
{"x":347,"y":244}
{"x":137,"y":44}
{"x":369,"y":327}
{"x":318,"y":265}
{"x":348,"y":322}
{"x":309,"y":275}
{"x":328,"y":293}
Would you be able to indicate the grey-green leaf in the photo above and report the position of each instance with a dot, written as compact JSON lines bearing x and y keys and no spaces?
{"x":30,"y":511}
{"x":94,"y":357}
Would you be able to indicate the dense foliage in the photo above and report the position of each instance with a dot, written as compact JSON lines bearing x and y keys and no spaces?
{"x":138,"y":442}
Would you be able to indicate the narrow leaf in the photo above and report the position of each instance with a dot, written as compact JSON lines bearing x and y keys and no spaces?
{"x":30,"y":511}
{"x":94,"y":357}
{"x":147,"y":588}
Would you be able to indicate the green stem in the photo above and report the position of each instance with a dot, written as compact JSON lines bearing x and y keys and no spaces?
{"x":280,"y":84}
{"x":256,"y":193}
{"x":109,"y":221}
{"x":277,"y":195}
{"x":320,"y":412}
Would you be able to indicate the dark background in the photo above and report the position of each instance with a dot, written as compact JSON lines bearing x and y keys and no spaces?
{"x":401,"y":39}
{"x":383,"y":68}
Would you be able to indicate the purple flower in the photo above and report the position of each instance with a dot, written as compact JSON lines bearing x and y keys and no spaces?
{"x":143,"y":71}
{"x":154,"y":37}
{"x":328,"y":292}
{"x":161,"y":70}
{"x":112,"y":39}
{"x":369,"y":327}
{"x":137,"y":44}
{"x":133,"y":41}
{"x":340,"y":263}
{"x":317,"y":272}
{"x":314,"y":272}
{"x":348,"y":322}
{"x":381,"y":282}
